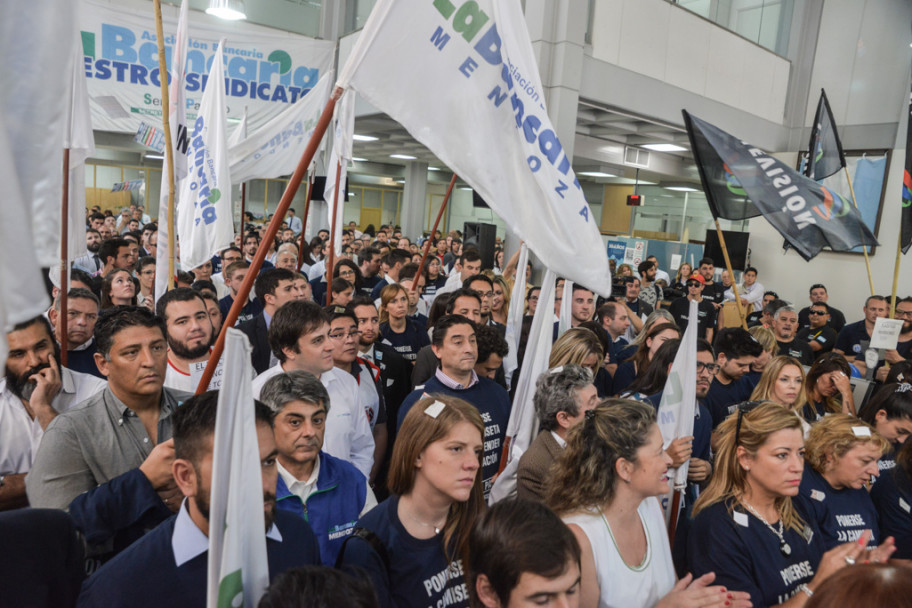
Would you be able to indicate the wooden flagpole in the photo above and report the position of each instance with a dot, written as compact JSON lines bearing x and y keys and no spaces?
{"x":896,"y":273}
{"x":310,"y":188}
{"x":166,"y":125}
{"x":243,"y":221}
{"x":427,"y":244}
{"x":290,"y":191}
{"x":331,"y":254}
{"x":62,"y":317}
{"x":676,"y":507}
{"x":864,"y":248}
{"x":731,"y":273}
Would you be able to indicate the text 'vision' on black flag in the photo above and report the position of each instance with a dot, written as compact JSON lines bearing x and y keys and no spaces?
{"x":905,"y":237}
{"x":742,"y":181}
{"x":825,"y":155}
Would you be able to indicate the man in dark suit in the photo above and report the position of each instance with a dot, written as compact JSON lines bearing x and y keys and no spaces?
{"x":168,"y":566}
{"x":562,"y":398}
{"x":273,"y":288}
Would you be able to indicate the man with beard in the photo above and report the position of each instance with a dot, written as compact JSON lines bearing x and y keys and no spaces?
{"x":90,"y":262}
{"x":903,"y":350}
{"x":189,"y":332}
{"x":169,"y":566}
{"x":82,"y":314}
{"x":116,"y":253}
{"x":33,"y":392}
{"x":735,"y":349}
{"x":108,"y":460}
{"x":819,"y":335}
{"x":329,"y":493}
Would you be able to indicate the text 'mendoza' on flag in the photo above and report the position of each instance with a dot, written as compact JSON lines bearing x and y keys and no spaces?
{"x":742,"y":181}
{"x":464,"y":82}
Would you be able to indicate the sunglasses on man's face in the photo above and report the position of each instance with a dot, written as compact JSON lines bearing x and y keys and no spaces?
{"x":818,"y":313}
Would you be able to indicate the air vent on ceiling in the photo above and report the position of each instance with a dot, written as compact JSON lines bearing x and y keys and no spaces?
{"x":636,"y":157}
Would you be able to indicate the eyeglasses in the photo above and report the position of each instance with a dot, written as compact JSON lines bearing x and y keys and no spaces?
{"x":744,"y":408}
{"x":820,"y":313}
{"x":904,"y":313}
{"x":353,"y":334}
{"x":485,"y":294}
{"x":346,"y":273}
{"x":712,"y":368}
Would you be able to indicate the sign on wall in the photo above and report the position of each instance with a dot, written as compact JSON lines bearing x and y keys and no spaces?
{"x":265,"y":69}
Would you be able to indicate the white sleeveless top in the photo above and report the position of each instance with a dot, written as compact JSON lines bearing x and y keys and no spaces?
{"x":620,"y":585}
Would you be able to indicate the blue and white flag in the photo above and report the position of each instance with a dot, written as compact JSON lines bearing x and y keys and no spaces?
{"x":523,"y":424}
{"x":679,"y":402}
{"x":465,"y":84}
{"x":238,"y":567}
{"x":205,"y":219}
{"x":177,"y":122}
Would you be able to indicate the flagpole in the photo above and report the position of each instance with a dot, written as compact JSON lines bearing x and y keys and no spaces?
{"x":166,"y":125}
{"x":675,"y":510}
{"x":243,"y":208}
{"x":427,"y":245}
{"x":310,"y":186}
{"x":731,"y":273}
{"x":896,"y":273}
{"x":64,"y":257}
{"x":271,"y":230}
{"x":864,"y":248}
{"x":330,"y":257}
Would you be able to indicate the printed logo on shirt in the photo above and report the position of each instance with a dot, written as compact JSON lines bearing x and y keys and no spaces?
{"x":796,"y":572}
{"x":438,"y":584}
{"x":342,"y":530}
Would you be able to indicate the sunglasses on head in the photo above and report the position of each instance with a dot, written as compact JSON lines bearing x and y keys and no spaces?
{"x":744,"y":408}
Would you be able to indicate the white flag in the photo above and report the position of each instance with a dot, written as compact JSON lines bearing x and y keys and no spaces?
{"x":205,"y":222}
{"x":339,"y":159}
{"x":237,"y":136}
{"x":679,"y":402}
{"x":275,"y":149}
{"x":523,"y":424}
{"x":565,"y":317}
{"x":78,"y":137}
{"x":238,"y":565}
{"x":465,"y":84}
{"x":515,"y":314}
{"x":36,"y":43}
{"x":177,"y":120}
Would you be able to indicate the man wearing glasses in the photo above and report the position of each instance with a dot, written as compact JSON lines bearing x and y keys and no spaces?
{"x":818,"y":293}
{"x":903,"y":349}
{"x":819,"y":335}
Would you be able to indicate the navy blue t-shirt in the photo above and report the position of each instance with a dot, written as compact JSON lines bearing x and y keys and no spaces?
{"x":722,"y":398}
{"x":892,"y":497}
{"x":888,"y":460}
{"x":752,"y":379}
{"x":841,"y":515}
{"x":409,"y":342}
{"x":615,"y":349}
{"x":250,"y":310}
{"x":418,"y":574}
{"x":745,"y":554}
{"x":493,"y":404}
{"x":623,"y":377}
{"x":850,"y":338}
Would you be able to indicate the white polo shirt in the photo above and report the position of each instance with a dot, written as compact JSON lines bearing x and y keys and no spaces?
{"x":20,"y":434}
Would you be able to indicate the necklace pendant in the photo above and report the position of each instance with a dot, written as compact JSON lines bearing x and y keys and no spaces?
{"x":785,"y":548}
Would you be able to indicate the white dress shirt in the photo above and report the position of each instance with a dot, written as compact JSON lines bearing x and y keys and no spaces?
{"x":303,"y":489}
{"x":20,"y":434}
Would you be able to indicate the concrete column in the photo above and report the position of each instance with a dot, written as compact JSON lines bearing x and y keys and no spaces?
{"x":414,"y":199}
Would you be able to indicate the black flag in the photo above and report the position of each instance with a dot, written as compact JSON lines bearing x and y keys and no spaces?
{"x":742,"y":181}
{"x":825,"y":155}
{"x":905,"y":238}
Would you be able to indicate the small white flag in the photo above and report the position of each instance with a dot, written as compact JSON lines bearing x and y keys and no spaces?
{"x":339,"y":158}
{"x":566,"y":309}
{"x":80,"y":140}
{"x":177,"y":120}
{"x":205,"y":222}
{"x":238,"y":565}
{"x":523,"y":424}
{"x":679,"y":402}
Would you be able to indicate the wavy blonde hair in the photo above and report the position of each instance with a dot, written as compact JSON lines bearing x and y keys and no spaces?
{"x":574,"y":346}
{"x":834,"y":435}
{"x":765,"y":388}
{"x":729,"y":480}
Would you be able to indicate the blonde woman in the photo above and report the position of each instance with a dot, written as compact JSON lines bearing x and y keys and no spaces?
{"x":604,"y":486}
{"x":841,"y":454}
{"x":782,"y":382}
{"x":745,"y":526}
{"x":500,"y":305}
{"x":414,"y":546}
{"x":767,"y":340}
{"x":579,"y":346}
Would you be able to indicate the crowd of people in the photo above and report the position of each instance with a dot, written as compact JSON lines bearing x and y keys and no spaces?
{"x":382,"y":404}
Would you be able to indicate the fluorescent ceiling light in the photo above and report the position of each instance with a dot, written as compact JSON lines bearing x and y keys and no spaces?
{"x":665,"y":148}
{"x":358,"y":159}
{"x":403,"y":156}
{"x":682,"y":188}
{"x":357,"y":137}
{"x":400,"y":181}
{"x":464,"y":188}
{"x":596,"y":174}
{"x":153,"y":156}
{"x":230,"y":10}
{"x":433,"y":168}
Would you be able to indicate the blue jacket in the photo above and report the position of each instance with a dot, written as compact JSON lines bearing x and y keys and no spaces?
{"x":333,"y":509}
